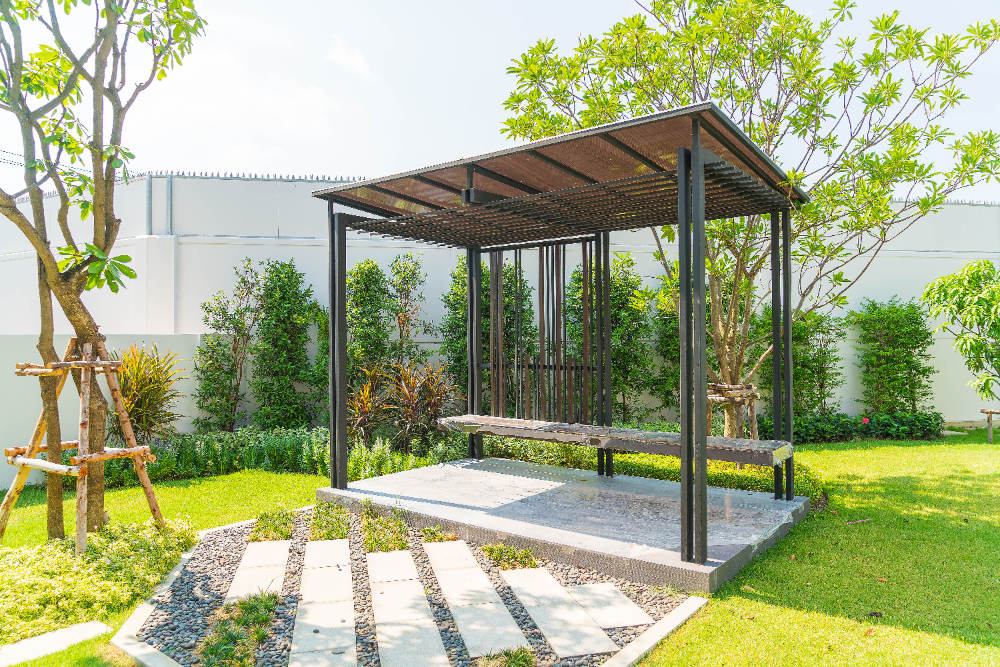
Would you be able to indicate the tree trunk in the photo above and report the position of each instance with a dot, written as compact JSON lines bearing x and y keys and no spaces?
{"x":53,"y":438}
{"x":95,"y":469}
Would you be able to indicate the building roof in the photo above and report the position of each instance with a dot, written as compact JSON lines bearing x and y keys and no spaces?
{"x":611,"y":177}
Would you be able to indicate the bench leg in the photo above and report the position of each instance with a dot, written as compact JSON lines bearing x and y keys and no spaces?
{"x":789,"y":479}
{"x":779,"y":478}
{"x":609,"y":463}
{"x":475,"y":445}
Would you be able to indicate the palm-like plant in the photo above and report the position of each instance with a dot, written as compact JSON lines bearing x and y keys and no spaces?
{"x":147,"y":385}
{"x":366,"y":406}
{"x":418,"y":394}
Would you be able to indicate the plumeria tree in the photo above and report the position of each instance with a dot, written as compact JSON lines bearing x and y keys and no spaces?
{"x":856,"y":123}
{"x":71,"y":72}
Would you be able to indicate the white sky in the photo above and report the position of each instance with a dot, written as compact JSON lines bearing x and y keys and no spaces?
{"x":375,"y":87}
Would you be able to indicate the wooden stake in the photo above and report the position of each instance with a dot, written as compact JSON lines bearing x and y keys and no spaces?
{"x":81,"y":481}
{"x":33,"y":447}
{"x":21,"y":451}
{"x":137,"y":462}
{"x":113,"y":453}
{"x":41,"y":464}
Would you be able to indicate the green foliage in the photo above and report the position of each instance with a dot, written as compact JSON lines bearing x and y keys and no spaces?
{"x":519,"y":657}
{"x":49,"y":588}
{"x":892,"y":355}
{"x":146,"y":380}
{"x":274,"y":525}
{"x":382,"y":533}
{"x":969,"y":303}
{"x":435,"y":534}
{"x":508,"y":557}
{"x":238,"y":631}
{"x":281,"y":369}
{"x":220,"y":362}
{"x":631,"y":329}
{"x":857,"y":122}
{"x":454,"y":326}
{"x":330,"y":522}
{"x":839,"y":427}
{"x":379,"y":459}
{"x":101,"y":269}
{"x":417,"y":397}
{"x":406,"y":281}
{"x":665,"y":376}
{"x":816,"y":361}
{"x":369,"y":318}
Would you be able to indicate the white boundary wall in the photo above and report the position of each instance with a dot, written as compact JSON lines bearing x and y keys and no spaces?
{"x":184,"y":251}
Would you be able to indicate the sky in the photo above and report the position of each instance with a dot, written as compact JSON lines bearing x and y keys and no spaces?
{"x":371,"y":88}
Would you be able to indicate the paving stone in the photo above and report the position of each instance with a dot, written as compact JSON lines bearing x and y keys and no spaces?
{"x":343,"y":657}
{"x":333,"y":620}
{"x":566,"y":625}
{"x":466,"y":586}
{"x":272,"y":552}
{"x":326,"y":584}
{"x":391,"y":566}
{"x":252,"y":580}
{"x":411,"y":643}
{"x":50,"y":642}
{"x":394,"y":601}
{"x":449,"y":555}
{"x":326,"y":553}
{"x":487,"y":628}
{"x":608,"y":606}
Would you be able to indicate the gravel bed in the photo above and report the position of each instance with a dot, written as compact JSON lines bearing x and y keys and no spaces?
{"x":364,"y":617}
{"x":275,"y":650}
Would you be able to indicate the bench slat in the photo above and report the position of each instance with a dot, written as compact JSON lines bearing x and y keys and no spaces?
{"x":736,"y":450}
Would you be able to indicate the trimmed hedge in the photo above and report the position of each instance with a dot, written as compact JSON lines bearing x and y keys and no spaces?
{"x":839,"y":427}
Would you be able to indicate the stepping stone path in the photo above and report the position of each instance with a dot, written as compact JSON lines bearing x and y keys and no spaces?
{"x":573,"y":619}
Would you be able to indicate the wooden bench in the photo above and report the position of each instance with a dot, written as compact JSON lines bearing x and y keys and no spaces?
{"x":772,"y":453}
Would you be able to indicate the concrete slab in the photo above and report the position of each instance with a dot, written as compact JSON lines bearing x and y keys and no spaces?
{"x":326,"y":584}
{"x":415,"y":642}
{"x":487,"y":628}
{"x":468,"y":585}
{"x":323,"y":626}
{"x":608,"y":606}
{"x":647,"y":641}
{"x":324,"y":553}
{"x":391,"y":566}
{"x":624,"y":526}
{"x":567,"y":627}
{"x":341,"y":657}
{"x":252,"y":580}
{"x":450,"y":555}
{"x":272,"y":552}
{"x":50,"y":642}
{"x":394,"y":601}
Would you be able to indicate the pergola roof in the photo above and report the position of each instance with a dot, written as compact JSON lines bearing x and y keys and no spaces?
{"x":612,"y":177}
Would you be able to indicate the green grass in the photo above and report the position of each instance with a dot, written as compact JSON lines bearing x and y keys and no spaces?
{"x":928,"y":561}
{"x":435,"y":534}
{"x":520,"y":657}
{"x":508,"y":557}
{"x":238,"y":630}
{"x":273,"y":525}
{"x":330,"y":522}
{"x":382,"y":533}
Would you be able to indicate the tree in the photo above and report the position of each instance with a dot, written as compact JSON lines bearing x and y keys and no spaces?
{"x":221,"y":359}
{"x":369,"y":319}
{"x":70,"y":105}
{"x":893,"y":355}
{"x":406,"y":282}
{"x":969,"y":303}
{"x":858,"y":125}
{"x":631,"y":329}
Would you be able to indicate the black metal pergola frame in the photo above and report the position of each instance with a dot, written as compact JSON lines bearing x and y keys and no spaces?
{"x":676,"y":167}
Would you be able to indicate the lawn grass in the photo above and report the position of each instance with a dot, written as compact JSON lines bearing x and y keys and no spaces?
{"x":928,"y":562}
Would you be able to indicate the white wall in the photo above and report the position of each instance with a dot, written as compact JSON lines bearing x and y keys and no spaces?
{"x":214,"y":223}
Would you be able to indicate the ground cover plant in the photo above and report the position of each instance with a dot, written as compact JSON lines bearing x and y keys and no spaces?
{"x":330,"y":522}
{"x":49,"y":588}
{"x":839,"y":427}
{"x":508,"y":557}
{"x":276,"y":525}
{"x":435,"y":534}
{"x":520,"y":657}
{"x":382,"y":533}
{"x":238,"y":629}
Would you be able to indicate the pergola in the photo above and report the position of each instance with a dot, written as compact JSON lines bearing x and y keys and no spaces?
{"x":678,"y":167}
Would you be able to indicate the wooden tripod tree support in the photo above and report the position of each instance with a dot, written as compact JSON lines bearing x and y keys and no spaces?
{"x":739,"y":395}
{"x":24,"y":457}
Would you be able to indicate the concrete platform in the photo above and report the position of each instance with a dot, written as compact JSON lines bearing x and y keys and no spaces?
{"x":625,"y":526}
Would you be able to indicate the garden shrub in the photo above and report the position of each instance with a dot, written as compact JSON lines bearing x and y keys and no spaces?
{"x":406,"y":280}
{"x":435,"y":534}
{"x":281,"y":370}
{"x":382,"y":533}
{"x":276,"y":525}
{"x":330,"y":522}
{"x":369,"y":319}
{"x":220,"y":362}
{"x":238,"y":630}
{"x":510,"y":558}
{"x":893,"y":356}
{"x":665,"y":377}
{"x":49,"y":588}
{"x":839,"y":427}
{"x":146,"y":381}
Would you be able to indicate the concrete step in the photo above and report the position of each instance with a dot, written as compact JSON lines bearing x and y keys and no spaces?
{"x":608,"y":606}
{"x":261,"y":570}
{"x":324,"y":622}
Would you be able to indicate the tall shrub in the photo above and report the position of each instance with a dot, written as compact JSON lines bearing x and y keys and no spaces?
{"x":281,"y":369}
{"x":631,"y":331}
{"x":893,"y":355}
{"x":665,"y":377}
{"x":221,"y":359}
{"x":370,"y":314}
{"x":817,"y":370}
{"x":147,"y":386}
{"x":406,"y":280}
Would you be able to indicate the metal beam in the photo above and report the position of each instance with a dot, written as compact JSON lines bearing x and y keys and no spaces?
{"x":338,"y":348}
{"x":500,"y":178}
{"x":399,"y":195}
{"x":443,"y":186}
{"x":686,"y":357}
{"x":556,"y":164}
{"x":475,"y":343}
{"x":609,"y":385}
{"x":631,"y":152}
{"x":777,"y":338}
{"x":786,"y":313}
{"x":699,"y":353}
{"x":479,"y":196}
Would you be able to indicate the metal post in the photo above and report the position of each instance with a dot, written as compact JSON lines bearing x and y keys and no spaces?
{"x":777,"y":395}
{"x":338,"y":349}
{"x":786,"y":314}
{"x":700,"y":365}
{"x":609,"y":388}
{"x":599,"y":338}
{"x":475,"y":344}
{"x":684,"y":331}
